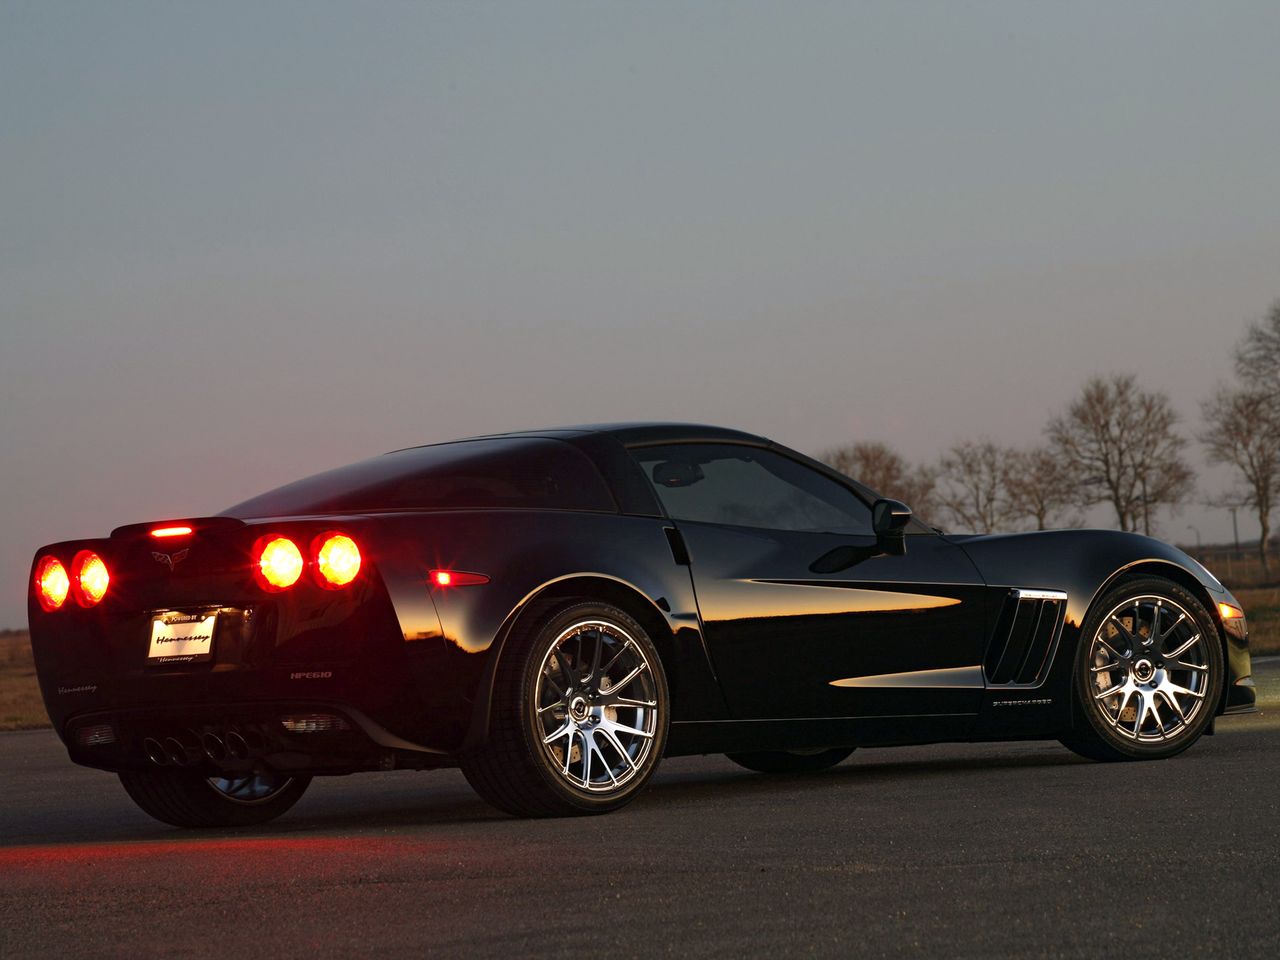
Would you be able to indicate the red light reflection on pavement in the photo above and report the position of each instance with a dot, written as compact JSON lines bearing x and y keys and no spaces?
{"x":214,"y":859}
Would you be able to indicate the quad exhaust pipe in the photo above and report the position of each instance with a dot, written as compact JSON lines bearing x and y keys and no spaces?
{"x":186,"y":750}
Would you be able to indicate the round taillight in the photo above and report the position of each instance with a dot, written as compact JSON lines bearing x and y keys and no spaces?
{"x":277,"y":563}
{"x":52,"y":583}
{"x":337,"y":560}
{"x":91,"y":578}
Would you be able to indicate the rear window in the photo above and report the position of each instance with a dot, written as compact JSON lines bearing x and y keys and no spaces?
{"x":523,"y":473}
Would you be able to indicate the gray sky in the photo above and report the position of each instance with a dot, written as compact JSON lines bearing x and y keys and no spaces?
{"x":241,"y":243}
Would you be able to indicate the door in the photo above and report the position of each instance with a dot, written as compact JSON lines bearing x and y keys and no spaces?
{"x":803,"y":615}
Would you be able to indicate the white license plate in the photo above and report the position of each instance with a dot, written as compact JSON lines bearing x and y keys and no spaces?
{"x":181,"y":637}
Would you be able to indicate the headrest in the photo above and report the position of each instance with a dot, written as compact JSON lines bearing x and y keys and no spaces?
{"x":676,"y":473}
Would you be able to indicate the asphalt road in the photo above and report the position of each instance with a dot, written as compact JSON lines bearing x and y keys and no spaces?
{"x":1006,"y":850}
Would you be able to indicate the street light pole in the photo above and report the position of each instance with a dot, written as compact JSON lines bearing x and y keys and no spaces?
{"x":1199,"y":546}
{"x":1235,"y":529}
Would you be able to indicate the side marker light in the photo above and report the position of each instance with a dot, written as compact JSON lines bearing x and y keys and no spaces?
{"x":1230,"y":612}
{"x":456,"y":578}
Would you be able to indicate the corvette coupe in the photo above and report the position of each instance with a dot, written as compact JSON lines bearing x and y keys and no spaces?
{"x":554,"y":611}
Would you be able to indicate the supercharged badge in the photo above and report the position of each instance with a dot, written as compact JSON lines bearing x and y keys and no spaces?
{"x":1042,"y":702}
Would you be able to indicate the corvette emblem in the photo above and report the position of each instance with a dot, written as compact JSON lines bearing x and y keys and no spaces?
{"x":170,"y":560}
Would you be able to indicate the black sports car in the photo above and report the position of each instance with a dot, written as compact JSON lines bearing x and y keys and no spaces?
{"x":554,"y":611}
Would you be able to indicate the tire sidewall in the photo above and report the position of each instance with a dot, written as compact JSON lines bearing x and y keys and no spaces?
{"x":185,"y":798}
{"x":1091,"y":715}
{"x":549,"y":629}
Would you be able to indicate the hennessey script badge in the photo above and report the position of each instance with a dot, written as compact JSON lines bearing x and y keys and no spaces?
{"x":170,"y":560}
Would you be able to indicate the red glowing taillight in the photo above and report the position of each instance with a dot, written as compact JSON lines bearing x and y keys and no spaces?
{"x":163,"y":533}
{"x":337,"y":560}
{"x":456,"y":578}
{"x":277,"y":562}
{"x":90,"y":578}
{"x":51,"y":583}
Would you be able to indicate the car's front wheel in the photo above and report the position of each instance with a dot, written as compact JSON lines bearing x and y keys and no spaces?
{"x":579,"y":717}
{"x":1148,"y":673}
{"x":186,"y":798}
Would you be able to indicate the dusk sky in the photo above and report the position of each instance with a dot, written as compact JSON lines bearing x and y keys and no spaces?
{"x":240,"y":243}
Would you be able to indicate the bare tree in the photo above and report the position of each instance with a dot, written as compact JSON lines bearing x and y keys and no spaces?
{"x":1258,"y":355}
{"x":878,"y":466}
{"x":1164,"y":479}
{"x":1123,"y":445}
{"x":1041,"y":488}
{"x":972,"y":485}
{"x":1243,"y":430}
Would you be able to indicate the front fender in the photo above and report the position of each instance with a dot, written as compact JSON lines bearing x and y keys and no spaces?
{"x":1085,"y":564}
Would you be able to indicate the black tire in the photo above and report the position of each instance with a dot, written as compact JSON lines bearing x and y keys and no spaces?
{"x":790,"y":761}
{"x":520,"y":773}
{"x":1100,"y":734}
{"x":186,"y":798}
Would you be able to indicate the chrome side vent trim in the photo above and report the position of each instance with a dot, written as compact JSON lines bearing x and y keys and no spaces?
{"x":1026,"y":634}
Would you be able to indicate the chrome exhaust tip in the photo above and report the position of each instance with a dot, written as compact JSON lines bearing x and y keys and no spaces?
{"x":214,"y":748}
{"x":155,"y":751}
{"x":175,"y":751}
{"x":236,"y":746}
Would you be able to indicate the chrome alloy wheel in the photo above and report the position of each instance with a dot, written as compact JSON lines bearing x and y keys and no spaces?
{"x":1150,"y":669}
{"x":253,"y":789}
{"x":597,"y":706}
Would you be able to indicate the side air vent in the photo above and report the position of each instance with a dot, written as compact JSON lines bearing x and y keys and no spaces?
{"x":1025,"y":635}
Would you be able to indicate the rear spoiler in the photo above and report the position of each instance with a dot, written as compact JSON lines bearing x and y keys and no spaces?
{"x":198,"y":525}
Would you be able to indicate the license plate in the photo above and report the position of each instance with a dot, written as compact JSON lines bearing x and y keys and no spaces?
{"x":181,"y":637}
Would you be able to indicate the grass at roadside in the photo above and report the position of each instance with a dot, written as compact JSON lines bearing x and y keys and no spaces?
{"x":20,"y":705}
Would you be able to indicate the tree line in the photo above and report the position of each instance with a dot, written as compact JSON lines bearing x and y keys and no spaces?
{"x":1115,"y":444}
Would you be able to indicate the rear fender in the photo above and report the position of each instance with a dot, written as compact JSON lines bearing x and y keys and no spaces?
{"x":529,"y":556}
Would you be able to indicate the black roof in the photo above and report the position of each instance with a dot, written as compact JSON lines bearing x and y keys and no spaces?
{"x":638,"y":432}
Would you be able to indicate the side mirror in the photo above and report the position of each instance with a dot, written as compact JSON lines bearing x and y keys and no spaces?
{"x":889,"y":519}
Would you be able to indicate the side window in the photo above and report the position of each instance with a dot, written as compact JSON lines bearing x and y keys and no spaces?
{"x":515,"y":473}
{"x":750,"y":487}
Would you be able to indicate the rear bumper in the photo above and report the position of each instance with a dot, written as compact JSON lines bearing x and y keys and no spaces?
{"x":240,"y":738}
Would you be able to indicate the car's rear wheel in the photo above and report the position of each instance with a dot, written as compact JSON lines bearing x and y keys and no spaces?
{"x":579,"y":718}
{"x":1148,"y":673}
{"x":187,"y":798}
{"x":790,"y":761}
